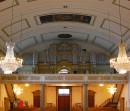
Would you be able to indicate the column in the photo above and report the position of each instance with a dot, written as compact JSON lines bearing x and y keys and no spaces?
{"x":85,"y":97}
{"x":42,"y":97}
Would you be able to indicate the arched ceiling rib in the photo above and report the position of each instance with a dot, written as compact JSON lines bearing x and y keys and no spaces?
{"x":95,"y":33}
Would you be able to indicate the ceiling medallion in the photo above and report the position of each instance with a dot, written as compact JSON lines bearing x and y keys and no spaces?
{"x":65,"y":36}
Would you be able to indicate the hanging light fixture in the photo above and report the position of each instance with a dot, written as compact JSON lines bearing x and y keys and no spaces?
{"x":17,"y":90}
{"x":10,"y":63}
{"x":112,"y":89}
{"x":26,"y":84}
{"x":122,"y":62}
{"x":101,"y":84}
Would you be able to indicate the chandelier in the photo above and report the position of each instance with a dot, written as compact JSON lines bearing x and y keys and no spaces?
{"x":17,"y":90}
{"x":112,"y":89}
{"x":122,"y":62}
{"x":10,"y":63}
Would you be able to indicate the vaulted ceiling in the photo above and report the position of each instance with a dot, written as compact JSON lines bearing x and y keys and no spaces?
{"x":31,"y":34}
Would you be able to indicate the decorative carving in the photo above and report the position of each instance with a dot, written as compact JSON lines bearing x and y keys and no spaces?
{"x":76,"y":78}
{"x":23,"y":77}
{"x":53,"y":78}
{"x":105,"y":78}
{"x":35,"y":78}
{"x":71,"y":78}
{"x":93,"y":77}
{"x":119,"y":77}
{"x":9,"y":77}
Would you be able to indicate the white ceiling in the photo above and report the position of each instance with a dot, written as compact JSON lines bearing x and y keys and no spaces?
{"x":37,"y":36}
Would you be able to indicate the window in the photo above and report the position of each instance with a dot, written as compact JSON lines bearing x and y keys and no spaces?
{"x":63,"y":91}
{"x":63,"y":71}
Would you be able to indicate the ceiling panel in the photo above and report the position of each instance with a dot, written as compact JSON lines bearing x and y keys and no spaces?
{"x":114,"y":27}
{"x":124,"y":3}
{"x":16,"y":27}
{"x":103,"y":43}
{"x":7,"y":4}
{"x":26,"y":42}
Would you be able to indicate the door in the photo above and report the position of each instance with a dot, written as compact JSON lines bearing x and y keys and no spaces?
{"x":91,"y":101}
{"x":63,"y":99}
{"x":36,"y":101}
{"x":36,"y":98}
{"x":91,"y":98}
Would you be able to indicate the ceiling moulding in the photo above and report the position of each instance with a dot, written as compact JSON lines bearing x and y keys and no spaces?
{"x":16,"y":25}
{"x":117,"y":26}
{"x":116,"y":2}
{"x":16,"y":3}
{"x":31,"y":0}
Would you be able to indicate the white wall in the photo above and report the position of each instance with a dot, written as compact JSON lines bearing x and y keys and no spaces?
{"x":28,"y":96}
{"x":101,"y":94}
{"x":51,"y":95}
{"x":27,"y":93}
{"x":127,"y":95}
{"x":76,"y":95}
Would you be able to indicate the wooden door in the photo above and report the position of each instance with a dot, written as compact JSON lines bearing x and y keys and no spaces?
{"x":36,"y":98}
{"x":90,"y":101}
{"x":36,"y":101}
{"x":91,"y":98}
{"x":64,"y":102}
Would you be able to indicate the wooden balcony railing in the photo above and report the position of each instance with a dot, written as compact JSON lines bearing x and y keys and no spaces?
{"x":109,"y":100}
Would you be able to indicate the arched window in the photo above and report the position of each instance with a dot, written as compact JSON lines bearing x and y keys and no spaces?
{"x":63,"y":71}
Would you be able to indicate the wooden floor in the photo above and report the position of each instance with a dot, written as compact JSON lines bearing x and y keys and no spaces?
{"x":77,"y":109}
{"x":26,"y":109}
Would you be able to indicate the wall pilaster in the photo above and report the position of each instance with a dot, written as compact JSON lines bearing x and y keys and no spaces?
{"x":85,"y":97}
{"x":42,"y":98}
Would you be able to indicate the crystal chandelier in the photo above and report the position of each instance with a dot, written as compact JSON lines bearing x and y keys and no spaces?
{"x":17,"y":90}
{"x":112,"y":89}
{"x":10,"y":63}
{"x":122,"y":62}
